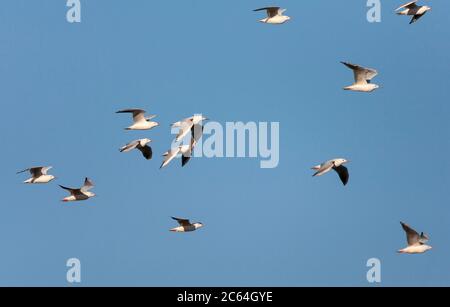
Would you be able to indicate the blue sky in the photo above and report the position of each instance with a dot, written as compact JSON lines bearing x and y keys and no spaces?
{"x":62,"y":83}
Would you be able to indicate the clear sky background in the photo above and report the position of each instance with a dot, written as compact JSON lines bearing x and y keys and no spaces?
{"x":61,"y":84}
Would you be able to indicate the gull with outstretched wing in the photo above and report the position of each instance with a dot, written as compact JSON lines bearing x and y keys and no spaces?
{"x":140,"y":122}
{"x":185,"y":225}
{"x":38,"y":174}
{"x":78,"y":194}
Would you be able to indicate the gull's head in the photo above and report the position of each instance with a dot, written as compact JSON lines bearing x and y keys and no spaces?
{"x":198,"y":225}
{"x":427,"y":248}
{"x":339,"y":162}
{"x":51,"y":177}
{"x":90,"y":194}
{"x":198,"y":118}
{"x":145,"y":141}
{"x":427,"y":8}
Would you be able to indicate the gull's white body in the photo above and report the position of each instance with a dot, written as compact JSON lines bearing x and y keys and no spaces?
{"x":38,"y":175}
{"x":336,"y":165}
{"x":415,"y":249}
{"x":325,"y":167}
{"x":78,"y":197}
{"x":147,"y":125}
{"x":41,"y":179}
{"x":277,"y":20}
{"x":362,"y":87}
{"x":134,"y":144}
{"x":420,"y":10}
{"x":188,"y":228}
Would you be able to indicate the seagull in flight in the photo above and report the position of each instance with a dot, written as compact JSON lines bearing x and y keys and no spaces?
{"x":335,"y":164}
{"x":140,"y":121}
{"x":191,"y":124}
{"x":414,"y":10}
{"x":274,"y":15}
{"x":38,"y":174}
{"x":184,"y":150}
{"x":82,"y":193}
{"x":185,"y":225}
{"x":416,"y":242}
{"x":140,"y":145}
{"x":363,"y":77}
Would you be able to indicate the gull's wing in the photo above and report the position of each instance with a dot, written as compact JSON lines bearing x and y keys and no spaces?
{"x":45,"y":169}
{"x":88,"y":184}
{"x":343,"y":173}
{"x":362,"y":75}
{"x":182,"y":222}
{"x":138,"y":114}
{"x":129,"y":146}
{"x":185,"y":128}
{"x":150,"y":117}
{"x":408,"y":5}
{"x":36,"y":171}
{"x":184,"y":160}
{"x":411,"y":235}
{"x":423,"y":238}
{"x":271,"y":11}
{"x":415,"y":18}
{"x":197,"y":132}
{"x":281,"y":11}
{"x":72,"y":191}
{"x":146,"y":151}
{"x":169,"y":156}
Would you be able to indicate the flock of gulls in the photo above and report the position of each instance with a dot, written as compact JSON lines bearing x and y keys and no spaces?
{"x":193,"y":125}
